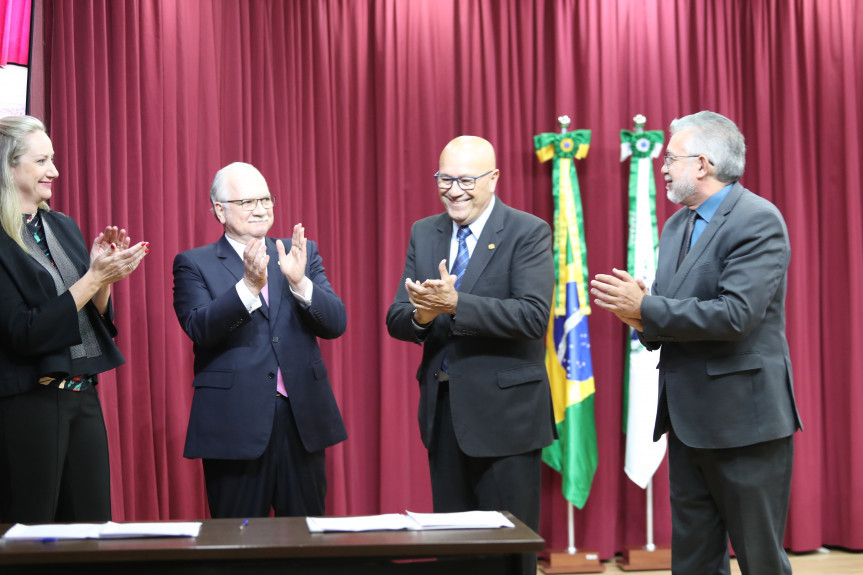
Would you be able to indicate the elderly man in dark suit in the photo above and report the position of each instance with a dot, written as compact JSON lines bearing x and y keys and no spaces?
{"x":263,"y":410}
{"x":717,"y":311}
{"x":485,"y":406}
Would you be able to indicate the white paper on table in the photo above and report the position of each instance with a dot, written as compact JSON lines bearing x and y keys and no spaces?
{"x":410,"y":521}
{"x":461,"y":520}
{"x":109,"y":530}
{"x":113,"y":530}
{"x":387,"y":522}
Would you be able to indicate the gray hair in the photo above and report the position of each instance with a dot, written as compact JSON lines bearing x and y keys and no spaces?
{"x":219,"y":189}
{"x":14,"y":131}
{"x":716,"y":137}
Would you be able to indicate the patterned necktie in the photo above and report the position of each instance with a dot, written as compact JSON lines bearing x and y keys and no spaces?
{"x":460,"y":265}
{"x":458,"y":269}
{"x":687,"y":237}
{"x":280,"y":382}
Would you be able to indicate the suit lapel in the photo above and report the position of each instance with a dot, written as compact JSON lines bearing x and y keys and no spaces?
{"x":669,"y":248}
{"x":487,"y":243}
{"x":229,"y":258}
{"x":440,"y":247}
{"x":275,"y":280}
{"x":234,"y":264}
{"x":704,"y":240}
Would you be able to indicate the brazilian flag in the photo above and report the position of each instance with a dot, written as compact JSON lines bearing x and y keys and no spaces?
{"x":567,"y":355}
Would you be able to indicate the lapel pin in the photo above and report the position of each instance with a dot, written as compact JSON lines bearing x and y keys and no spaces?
{"x":491,"y":246}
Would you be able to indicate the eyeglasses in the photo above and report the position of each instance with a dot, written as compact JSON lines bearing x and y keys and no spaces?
{"x":466,"y":183}
{"x":250,"y":205}
{"x":668,"y":159}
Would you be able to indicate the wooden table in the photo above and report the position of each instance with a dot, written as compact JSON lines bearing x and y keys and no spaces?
{"x":283,"y":545}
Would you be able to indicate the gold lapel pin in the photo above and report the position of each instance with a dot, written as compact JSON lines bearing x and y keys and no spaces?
{"x":491,"y":246}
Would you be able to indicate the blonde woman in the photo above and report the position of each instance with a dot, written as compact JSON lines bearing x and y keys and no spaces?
{"x":56,"y":335}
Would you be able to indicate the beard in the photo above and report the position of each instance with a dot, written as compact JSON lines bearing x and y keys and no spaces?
{"x":680,"y":189}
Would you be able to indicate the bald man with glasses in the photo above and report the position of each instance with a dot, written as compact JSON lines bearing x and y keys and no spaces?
{"x":476,"y":294}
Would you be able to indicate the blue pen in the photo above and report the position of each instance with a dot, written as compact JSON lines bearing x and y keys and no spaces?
{"x":243,"y":524}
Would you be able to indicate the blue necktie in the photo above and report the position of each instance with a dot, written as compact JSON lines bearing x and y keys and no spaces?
{"x":458,"y":269}
{"x":461,"y":259}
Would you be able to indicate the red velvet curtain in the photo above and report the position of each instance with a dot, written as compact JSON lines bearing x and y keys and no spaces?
{"x":345,"y":106}
{"x":14,"y":31}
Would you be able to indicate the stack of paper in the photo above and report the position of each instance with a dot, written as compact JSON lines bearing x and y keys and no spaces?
{"x":109,"y":530}
{"x":410,"y":521}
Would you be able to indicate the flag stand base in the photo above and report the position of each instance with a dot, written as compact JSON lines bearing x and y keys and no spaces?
{"x":640,"y":559}
{"x":578,"y":562}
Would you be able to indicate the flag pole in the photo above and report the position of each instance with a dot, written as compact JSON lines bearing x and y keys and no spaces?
{"x":642,"y":147}
{"x":571,"y":549}
{"x":564,"y":122}
{"x":650,"y":545}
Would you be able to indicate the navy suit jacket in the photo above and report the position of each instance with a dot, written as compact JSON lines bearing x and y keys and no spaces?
{"x":237,"y":353}
{"x":720,"y":321}
{"x":499,"y":390}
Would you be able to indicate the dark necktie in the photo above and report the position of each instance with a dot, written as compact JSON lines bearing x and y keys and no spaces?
{"x":687,"y":237}
{"x":458,"y":269}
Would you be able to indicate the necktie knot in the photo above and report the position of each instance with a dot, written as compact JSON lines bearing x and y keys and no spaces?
{"x":463,"y":233}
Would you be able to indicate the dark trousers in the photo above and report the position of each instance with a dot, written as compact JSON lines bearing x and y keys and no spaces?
{"x":286,"y":478}
{"x":740,"y":493}
{"x":464,"y":483}
{"x":53,"y":457}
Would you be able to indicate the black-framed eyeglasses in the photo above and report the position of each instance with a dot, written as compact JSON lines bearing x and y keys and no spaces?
{"x":668,"y":159}
{"x":250,"y":205}
{"x":466,"y":183}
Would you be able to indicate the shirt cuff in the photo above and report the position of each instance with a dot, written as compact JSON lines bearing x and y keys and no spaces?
{"x":304,"y":298}
{"x":420,"y":327}
{"x":251,"y":301}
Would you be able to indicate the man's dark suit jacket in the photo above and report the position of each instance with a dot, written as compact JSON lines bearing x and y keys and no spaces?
{"x":499,"y":391}
{"x":720,"y":321}
{"x":237,"y":353}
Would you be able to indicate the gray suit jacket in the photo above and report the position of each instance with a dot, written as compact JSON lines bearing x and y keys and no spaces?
{"x":720,"y":322}
{"x":499,"y":391}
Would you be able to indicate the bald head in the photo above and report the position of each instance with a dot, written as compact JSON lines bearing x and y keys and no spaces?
{"x":467,"y":158}
{"x":478,"y":150}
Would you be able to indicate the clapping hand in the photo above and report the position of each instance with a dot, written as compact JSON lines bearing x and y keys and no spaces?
{"x":433,"y":296}
{"x":293,"y":262}
{"x":113,"y":257}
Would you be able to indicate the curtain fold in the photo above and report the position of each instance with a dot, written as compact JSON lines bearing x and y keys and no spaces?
{"x":345,"y":105}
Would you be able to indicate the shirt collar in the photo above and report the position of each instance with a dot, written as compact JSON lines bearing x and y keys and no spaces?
{"x":478,"y":224}
{"x":238,"y":247}
{"x":710,"y":205}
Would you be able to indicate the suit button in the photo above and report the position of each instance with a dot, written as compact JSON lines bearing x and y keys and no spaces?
{"x":276,"y":339}
{"x":271,"y":375}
